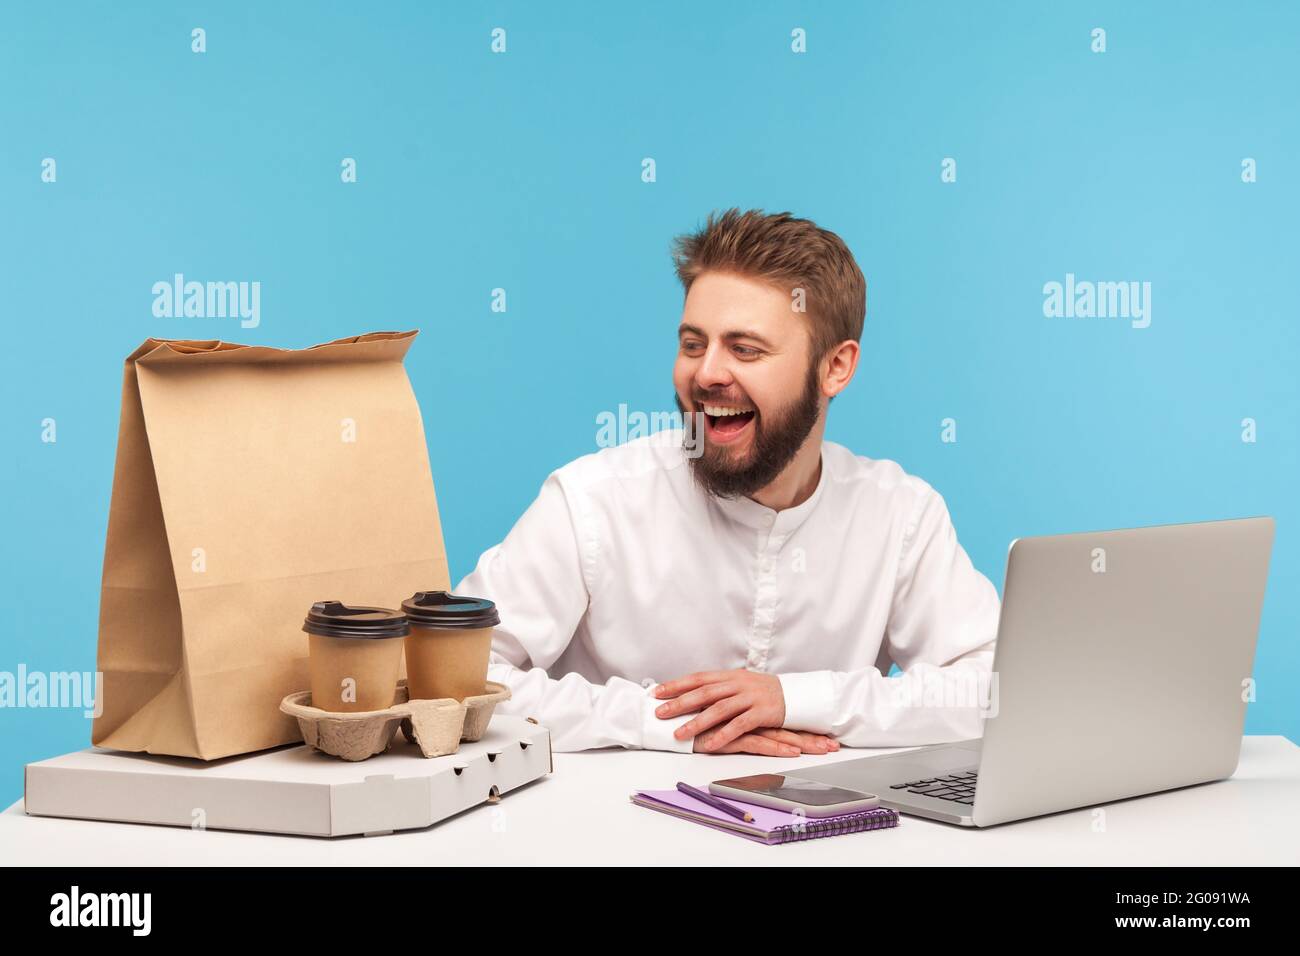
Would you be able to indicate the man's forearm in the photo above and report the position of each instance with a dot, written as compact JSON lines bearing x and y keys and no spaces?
{"x":927,"y":704}
{"x":581,"y":715}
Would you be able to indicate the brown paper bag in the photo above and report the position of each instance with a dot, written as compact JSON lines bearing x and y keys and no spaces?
{"x":249,"y":483}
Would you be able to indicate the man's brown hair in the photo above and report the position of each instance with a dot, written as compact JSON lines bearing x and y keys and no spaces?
{"x":787,"y":252}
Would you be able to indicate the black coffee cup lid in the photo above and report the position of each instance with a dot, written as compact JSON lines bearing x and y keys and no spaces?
{"x":447,"y":610}
{"x":336,"y":619}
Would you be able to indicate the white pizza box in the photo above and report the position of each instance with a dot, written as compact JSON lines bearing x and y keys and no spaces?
{"x":293,"y":790}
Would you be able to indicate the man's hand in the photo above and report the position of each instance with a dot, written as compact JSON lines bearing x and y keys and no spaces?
{"x":771,"y":742}
{"x":735,"y":702}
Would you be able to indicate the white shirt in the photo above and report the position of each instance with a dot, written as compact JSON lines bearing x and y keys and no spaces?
{"x":624,"y":573}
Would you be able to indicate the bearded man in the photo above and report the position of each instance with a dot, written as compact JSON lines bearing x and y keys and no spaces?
{"x":740,"y":584}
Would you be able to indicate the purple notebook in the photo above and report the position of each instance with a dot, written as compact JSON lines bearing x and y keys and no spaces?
{"x":769,"y":826}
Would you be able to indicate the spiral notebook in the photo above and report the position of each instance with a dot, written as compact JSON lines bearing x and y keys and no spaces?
{"x":769,"y":826}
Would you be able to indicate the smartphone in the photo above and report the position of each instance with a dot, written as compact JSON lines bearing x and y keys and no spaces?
{"x":784,"y":792}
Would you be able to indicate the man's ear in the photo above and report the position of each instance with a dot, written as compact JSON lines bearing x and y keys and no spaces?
{"x":838,"y":367}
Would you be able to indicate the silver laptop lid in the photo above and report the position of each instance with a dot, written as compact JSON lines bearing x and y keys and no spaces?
{"x":1123,"y":664}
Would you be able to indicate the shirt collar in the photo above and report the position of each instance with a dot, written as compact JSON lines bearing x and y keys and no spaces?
{"x":748,"y":512}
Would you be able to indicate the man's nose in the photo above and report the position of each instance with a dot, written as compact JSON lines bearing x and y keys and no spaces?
{"x":714,"y":371}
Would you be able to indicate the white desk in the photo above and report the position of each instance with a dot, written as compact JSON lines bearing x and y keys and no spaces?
{"x":581,"y":815}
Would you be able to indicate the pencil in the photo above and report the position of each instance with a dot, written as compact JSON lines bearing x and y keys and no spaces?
{"x":714,"y":802}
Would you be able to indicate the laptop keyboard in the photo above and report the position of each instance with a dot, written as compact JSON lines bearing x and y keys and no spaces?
{"x":957,"y":787}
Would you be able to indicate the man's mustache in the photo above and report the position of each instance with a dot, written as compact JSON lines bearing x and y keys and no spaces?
{"x":720,"y":398}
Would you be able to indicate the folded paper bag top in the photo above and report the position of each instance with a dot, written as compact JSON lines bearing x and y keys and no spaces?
{"x":372,"y":346}
{"x":251,"y":481}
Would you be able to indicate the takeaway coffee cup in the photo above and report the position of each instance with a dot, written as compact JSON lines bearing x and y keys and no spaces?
{"x":355,"y":655}
{"x":448,"y":648}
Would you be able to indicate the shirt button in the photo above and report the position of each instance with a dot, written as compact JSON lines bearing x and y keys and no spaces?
{"x":647,"y":683}
{"x":768,"y":520}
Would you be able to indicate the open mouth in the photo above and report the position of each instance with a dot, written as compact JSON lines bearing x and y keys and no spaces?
{"x":725,"y":422}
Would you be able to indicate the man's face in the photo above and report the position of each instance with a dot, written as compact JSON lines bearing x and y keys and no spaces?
{"x":744,"y":360}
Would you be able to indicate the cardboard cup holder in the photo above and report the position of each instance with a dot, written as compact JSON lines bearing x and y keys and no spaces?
{"x":435,"y":726}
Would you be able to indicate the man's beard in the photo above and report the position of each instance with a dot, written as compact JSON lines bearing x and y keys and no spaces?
{"x":774,"y":445}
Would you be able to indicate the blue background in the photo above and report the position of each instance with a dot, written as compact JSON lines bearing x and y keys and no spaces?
{"x":522,"y":171}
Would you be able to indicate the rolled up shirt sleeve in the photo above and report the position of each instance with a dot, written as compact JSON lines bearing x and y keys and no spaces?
{"x":535,"y":577}
{"x":941,"y":632}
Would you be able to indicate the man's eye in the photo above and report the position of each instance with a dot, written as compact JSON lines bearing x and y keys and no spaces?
{"x":744,"y":351}
{"x":691,"y":346}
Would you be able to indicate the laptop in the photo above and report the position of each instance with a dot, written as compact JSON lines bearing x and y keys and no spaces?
{"x":1122,"y":668}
